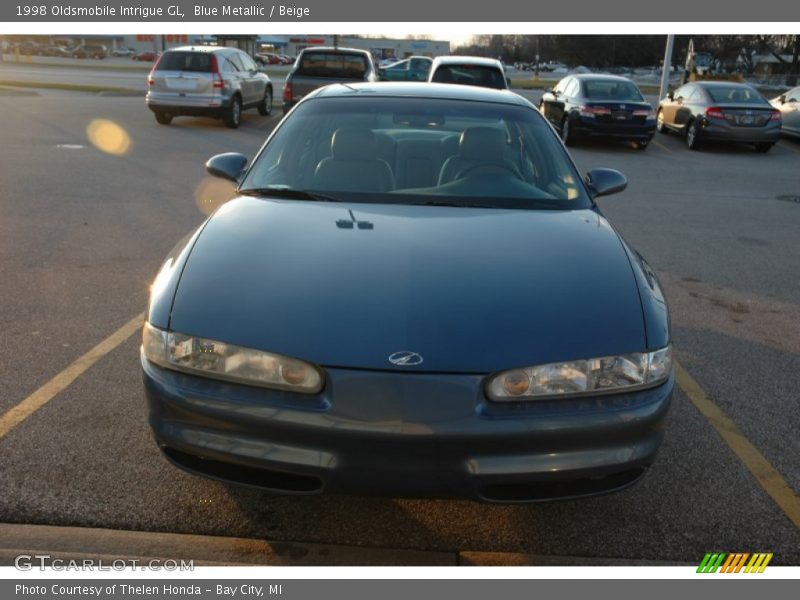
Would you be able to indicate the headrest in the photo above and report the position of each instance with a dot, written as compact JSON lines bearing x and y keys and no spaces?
{"x":482,"y":143}
{"x":353,"y":144}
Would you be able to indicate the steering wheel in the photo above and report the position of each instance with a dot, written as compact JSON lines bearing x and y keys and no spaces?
{"x":496,"y":167}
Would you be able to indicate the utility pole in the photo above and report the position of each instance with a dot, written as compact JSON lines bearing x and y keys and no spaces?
{"x":667,"y":67}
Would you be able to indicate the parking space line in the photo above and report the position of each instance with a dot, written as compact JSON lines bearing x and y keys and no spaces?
{"x":57,"y":384}
{"x":662,"y":146}
{"x":765,"y":474}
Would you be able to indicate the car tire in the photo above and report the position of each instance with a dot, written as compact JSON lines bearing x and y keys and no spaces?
{"x":691,"y":135}
{"x":265,"y":108}
{"x":641,"y":144}
{"x":764,"y":147}
{"x":567,"y":135}
{"x":233,"y":114}
{"x":660,"y":127}
{"x":163,"y":118}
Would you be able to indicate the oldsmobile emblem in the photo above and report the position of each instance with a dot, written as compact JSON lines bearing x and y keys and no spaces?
{"x":405,"y":358}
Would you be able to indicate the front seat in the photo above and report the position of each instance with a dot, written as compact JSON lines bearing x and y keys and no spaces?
{"x":353,"y":166}
{"x":477,"y":146}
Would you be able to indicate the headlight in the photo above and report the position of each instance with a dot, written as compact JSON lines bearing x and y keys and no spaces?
{"x":581,"y":377}
{"x":231,"y":363}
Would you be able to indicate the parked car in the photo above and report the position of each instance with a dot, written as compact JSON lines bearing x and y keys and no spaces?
{"x":123,"y":52}
{"x":469,"y":70}
{"x":56,"y":51}
{"x":414,"y":294}
{"x":146,"y":56}
{"x":720,"y":111}
{"x":268,"y":58}
{"x":788,"y":104}
{"x":286,"y":60}
{"x":96,"y":51}
{"x":319,"y":66}
{"x":414,"y":68}
{"x":601,"y":106}
{"x":208,"y":81}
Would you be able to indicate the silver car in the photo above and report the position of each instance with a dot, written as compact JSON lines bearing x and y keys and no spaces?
{"x":208,"y":81}
{"x":789,"y":105}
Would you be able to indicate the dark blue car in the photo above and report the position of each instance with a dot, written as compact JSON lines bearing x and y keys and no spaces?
{"x":414,"y":294}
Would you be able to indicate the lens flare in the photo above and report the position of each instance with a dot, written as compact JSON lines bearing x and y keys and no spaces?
{"x":211,"y":193}
{"x":107,"y":136}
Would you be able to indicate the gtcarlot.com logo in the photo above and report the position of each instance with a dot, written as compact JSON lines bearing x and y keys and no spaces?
{"x":722,"y":562}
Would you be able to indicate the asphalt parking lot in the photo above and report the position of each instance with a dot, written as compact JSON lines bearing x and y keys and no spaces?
{"x":90,"y":208}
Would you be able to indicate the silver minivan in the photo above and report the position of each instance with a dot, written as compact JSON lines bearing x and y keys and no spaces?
{"x":209,"y":81}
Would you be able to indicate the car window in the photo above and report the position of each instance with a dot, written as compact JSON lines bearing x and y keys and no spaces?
{"x":470,"y":74}
{"x":793,"y":95}
{"x":234,"y":59}
{"x":572,"y":88}
{"x":737,"y":94}
{"x":185,"y":61}
{"x":247,"y":62}
{"x":419,"y":65}
{"x":418,"y":150}
{"x":682,"y":92}
{"x":562,"y":85}
{"x":343,"y":65}
{"x":611,"y":89}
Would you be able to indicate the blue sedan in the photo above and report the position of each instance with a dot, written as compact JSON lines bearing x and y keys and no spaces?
{"x":413,"y":294}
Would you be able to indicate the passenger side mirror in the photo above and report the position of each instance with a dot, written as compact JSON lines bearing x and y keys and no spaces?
{"x":782,"y":98}
{"x":604,"y":182}
{"x":671,"y":95}
{"x":229,"y":165}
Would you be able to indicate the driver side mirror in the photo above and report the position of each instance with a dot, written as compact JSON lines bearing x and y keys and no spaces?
{"x":229,"y":165}
{"x":604,"y":182}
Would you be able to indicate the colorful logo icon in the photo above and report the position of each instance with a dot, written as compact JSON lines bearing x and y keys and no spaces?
{"x":734,"y":562}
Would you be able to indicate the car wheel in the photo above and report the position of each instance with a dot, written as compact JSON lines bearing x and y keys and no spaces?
{"x":265,"y":108}
{"x":764,"y":147}
{"x":660,"y":127}
{"x":233,"y":114}
{"x":641,"y":144}
{"x":691,"y":135}
{"x":567,"y":135}
{"x":163,"y":118}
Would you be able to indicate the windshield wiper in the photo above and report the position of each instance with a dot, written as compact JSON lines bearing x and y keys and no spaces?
{"x":279,"y":191}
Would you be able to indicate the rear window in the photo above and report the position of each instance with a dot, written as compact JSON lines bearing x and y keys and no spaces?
{"x":338,"y":65}
{"x":611,"y":90}
{"x":185,"y":61}
{"x":731,"y":93}
{"x":469,"y":74}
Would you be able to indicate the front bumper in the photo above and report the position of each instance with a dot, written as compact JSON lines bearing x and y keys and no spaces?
{"x":398,"y":434}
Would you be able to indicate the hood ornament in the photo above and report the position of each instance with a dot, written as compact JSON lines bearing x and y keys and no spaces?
{"x":405,"y":358}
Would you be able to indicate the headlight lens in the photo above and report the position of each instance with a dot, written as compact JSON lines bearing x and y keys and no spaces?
{"x":229,"y":362}
{"x":580,"y":377}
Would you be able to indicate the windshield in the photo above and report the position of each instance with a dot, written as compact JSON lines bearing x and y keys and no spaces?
{"x":419,"y":150}
{"x":611,"y":90}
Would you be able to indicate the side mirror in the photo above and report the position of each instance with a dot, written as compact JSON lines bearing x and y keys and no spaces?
{"x":782,"y":98}
{"x":508,"y":81}
{"x":604,"y":182}
{"x":671,"y":95}
{"x":229,"y":165}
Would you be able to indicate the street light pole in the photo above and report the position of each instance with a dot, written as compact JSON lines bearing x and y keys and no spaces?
{"x":667,"y":67}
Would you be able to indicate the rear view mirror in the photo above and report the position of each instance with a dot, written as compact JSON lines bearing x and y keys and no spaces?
{"x":229,"y":165}
{"x":604,"y":182}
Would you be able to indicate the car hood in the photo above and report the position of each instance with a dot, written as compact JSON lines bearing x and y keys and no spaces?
{"x":470,"y":290}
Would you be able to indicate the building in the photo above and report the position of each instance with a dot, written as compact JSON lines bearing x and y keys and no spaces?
{"x":381,"y":48}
